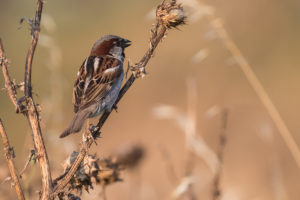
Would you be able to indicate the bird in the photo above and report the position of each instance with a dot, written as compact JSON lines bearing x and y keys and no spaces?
{"x":98,"y":81}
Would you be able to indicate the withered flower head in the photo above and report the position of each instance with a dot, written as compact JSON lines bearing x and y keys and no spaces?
{"x":91,"y":171}
{"x":170,"y":14}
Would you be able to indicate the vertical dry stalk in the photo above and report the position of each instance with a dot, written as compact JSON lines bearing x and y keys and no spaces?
{"x":256,"y":85}
{"x":33,"y":119}
{"x":35,"y":31}
{"x":221,"y":147}
{"x":9,"y":154}
{"x":31,"y":112}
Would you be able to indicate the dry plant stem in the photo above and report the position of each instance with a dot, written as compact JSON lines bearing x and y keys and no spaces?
{"x":9,"y":154}
{"x":155,"y":39}
{"x":222,"y":142}
{"x":32,"y":153}
{"x":35,"y":31}
{"x":31,"y":111}
{"x":257,"y":87}
{"x":8,"y":83}
{"x":33,"y":119}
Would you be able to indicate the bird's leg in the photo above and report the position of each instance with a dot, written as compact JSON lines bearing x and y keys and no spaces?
{"x":89,"y":131}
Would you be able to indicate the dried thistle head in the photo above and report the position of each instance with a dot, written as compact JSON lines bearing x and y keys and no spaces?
{"x":91,"y":171}
{"x":84,"y":174}
{"x":170,"y":14}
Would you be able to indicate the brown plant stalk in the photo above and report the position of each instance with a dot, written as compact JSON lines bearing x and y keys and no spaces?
{"x":31,"y":110}
{"x":9,"y":85}
{"x":9,"y":154}
{"x":30,"y":107}
{"x":35,"y":31}
{"x":158,"y":32}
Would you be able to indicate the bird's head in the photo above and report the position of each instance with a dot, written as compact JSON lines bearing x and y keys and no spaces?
{"x":110,"y":45}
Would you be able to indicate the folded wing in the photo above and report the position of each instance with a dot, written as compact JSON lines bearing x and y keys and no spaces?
{"x":95,"y":78}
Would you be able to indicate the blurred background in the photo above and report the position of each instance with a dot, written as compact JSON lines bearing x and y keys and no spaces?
{"x":192,"y":79}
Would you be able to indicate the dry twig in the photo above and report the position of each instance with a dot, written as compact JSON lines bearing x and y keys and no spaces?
{"x":30,"y":157}
{"x":9,"y":85}
{"x":9,"y":154}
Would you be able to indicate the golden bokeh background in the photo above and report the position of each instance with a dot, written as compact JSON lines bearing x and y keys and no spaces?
{"x":257,"y":164}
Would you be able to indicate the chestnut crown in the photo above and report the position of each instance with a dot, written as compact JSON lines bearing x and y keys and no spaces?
{"x":110,"y":45}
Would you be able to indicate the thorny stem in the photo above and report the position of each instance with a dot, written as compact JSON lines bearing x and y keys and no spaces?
{"x":35,"y":31}
{"x":9,"y":85}
{"x":31,"y":112}
{"x":9,"y":154}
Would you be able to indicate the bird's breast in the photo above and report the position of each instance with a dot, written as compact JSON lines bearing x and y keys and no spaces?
{"x":111,"y":97}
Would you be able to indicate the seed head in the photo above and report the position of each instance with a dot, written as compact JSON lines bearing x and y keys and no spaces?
{"x":170,"y":14}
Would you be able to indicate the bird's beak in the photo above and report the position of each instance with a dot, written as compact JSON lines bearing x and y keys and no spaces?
{"x":126,"y":43}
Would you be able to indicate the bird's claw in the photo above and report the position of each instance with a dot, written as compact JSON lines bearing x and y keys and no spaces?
{"x":115,"y":107}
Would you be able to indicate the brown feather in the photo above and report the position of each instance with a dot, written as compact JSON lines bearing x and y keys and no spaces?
{"x":92,"y":85}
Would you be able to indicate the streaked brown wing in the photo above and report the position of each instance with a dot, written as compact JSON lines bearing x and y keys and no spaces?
{"x":95,"y":78}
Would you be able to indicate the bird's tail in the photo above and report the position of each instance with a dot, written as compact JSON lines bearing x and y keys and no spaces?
{"x":77,"y":123}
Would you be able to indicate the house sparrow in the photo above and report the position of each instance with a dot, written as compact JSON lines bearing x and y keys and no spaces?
{"x":98,"y":82}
